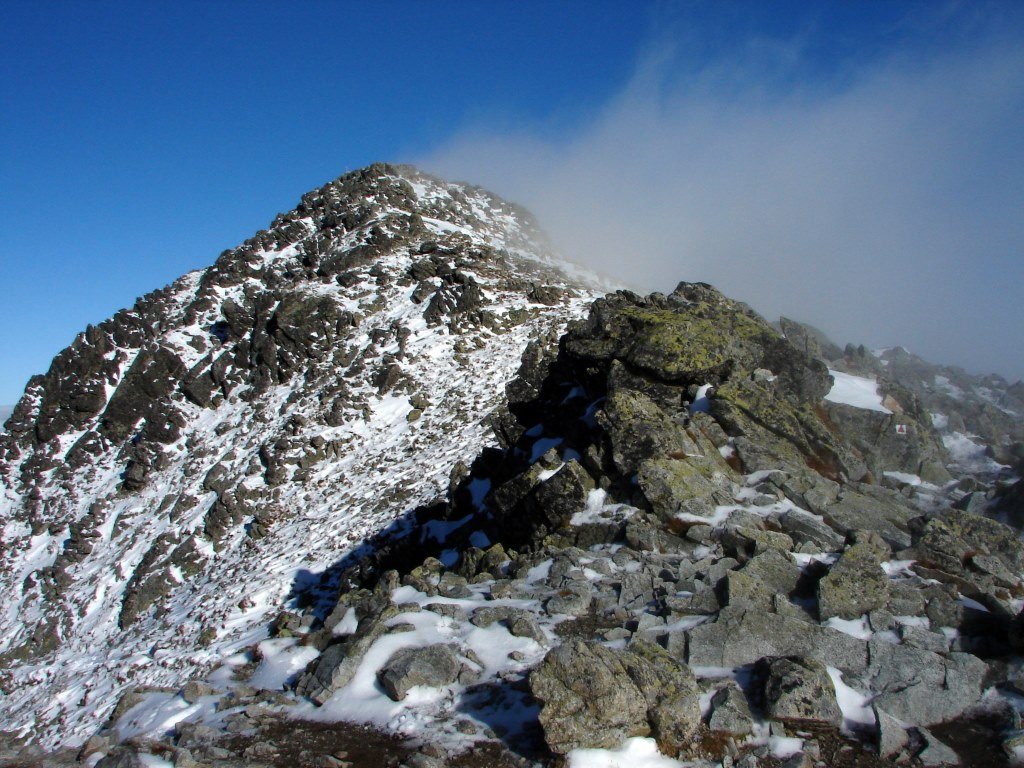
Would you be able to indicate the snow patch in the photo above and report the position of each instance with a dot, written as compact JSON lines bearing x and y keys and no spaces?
{"x":633,"y":753}
{"x":855,"y":706}
{"x":702,"y":403}
{"x":857,"y":628}
{"x":856,"y":391}
{"x":281,"y":660}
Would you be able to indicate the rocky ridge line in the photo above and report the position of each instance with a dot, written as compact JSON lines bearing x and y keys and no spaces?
{"x":185,"y":467}
{"x":679,"y":538}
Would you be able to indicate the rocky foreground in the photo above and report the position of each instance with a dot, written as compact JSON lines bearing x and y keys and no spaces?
{"x":682,"y":551}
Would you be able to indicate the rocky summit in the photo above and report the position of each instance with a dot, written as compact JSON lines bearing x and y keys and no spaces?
{"x":390,"y":485}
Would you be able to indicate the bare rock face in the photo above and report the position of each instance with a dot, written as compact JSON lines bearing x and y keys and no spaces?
{"x":919,"y":686}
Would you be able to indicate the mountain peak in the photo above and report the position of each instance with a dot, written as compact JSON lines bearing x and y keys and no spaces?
{"x":384,"y":202}
{"x":186,"y":465}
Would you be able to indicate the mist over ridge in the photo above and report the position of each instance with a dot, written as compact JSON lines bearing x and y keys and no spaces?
{"x":883,"y":209}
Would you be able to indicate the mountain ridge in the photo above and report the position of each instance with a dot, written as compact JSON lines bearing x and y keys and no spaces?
{"x":390,"y":462}
{"x":376,"y":274}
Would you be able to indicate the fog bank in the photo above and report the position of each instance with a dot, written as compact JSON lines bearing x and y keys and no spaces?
{"x":884,"y":207}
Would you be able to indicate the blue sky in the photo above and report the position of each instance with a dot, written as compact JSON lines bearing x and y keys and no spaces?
{"x":138,"y":140}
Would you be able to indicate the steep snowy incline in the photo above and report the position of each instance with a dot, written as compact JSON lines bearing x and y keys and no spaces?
{"x":187,"y":466}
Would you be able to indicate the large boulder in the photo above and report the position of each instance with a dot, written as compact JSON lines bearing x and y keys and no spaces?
{"x":764,"y":576}
{"x":679,"y":485}
{"x":921,"y":687}
{"x":742,"y":636}
{"x":640,"y":430}
{"x":872,"y":508}
{"x":805,"y":528}
{"x":730,"y":712}
{"x":799,"y":690}
{"x":433,"y":666}
{"x":955,"y":539}
{"x":594,"y":697}
{"x":855,"y":585}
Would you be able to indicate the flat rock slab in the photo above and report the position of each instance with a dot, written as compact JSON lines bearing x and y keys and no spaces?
{"x":742,"y":637}
{"x":921,"y":687}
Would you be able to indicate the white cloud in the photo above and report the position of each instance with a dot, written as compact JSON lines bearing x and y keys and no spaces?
{"x":885,"y":210}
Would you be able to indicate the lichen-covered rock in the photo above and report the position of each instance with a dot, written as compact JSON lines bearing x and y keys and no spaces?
{"x":520,"y":622}
{"x":799,"y":690}
{"x":741,"y":636}
{"x":639,"y":430}
{"x":593,"y":696}
{"x":743,"y":541}
{"x":763,"y":577}
{"x":584,"y":701}
{"x":872,"y":508}
{"x":730,"y":712}
{"x":855,"y":585}
{"x":952,"y":539}
{"x":572,"y":601}
{"x":674,"y":486}
{"x":804,"y":528}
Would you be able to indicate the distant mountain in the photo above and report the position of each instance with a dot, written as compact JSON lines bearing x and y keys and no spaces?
{"x":391,"y":484}
{"x":5,"y":412}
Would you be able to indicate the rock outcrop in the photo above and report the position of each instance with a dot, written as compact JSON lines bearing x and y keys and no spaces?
{"x":663,"y":484}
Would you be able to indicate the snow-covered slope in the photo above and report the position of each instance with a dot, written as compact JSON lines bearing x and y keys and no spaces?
{"x":191,"y":465}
